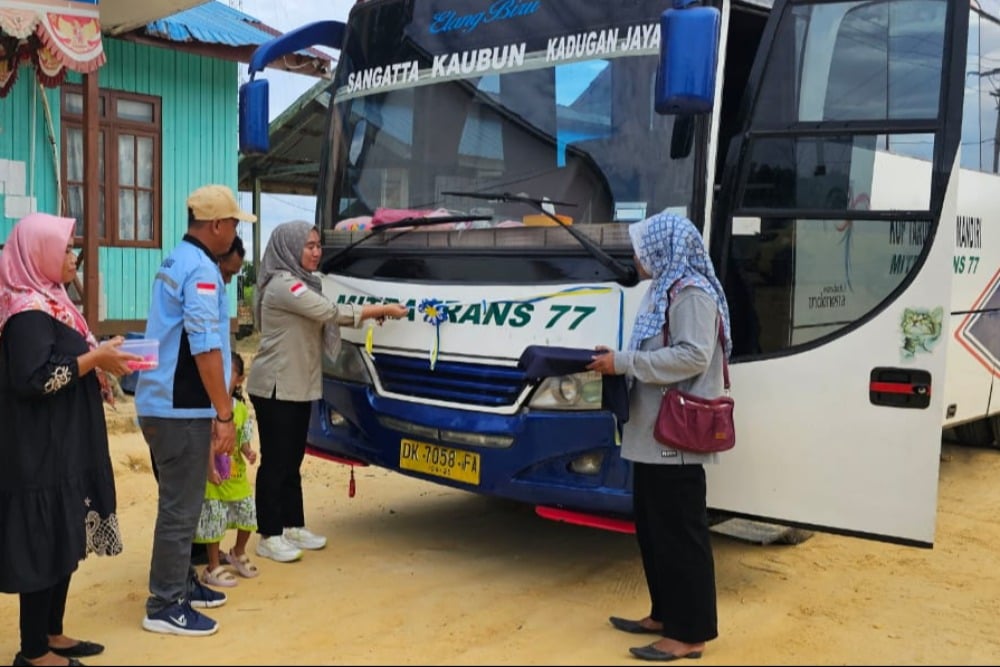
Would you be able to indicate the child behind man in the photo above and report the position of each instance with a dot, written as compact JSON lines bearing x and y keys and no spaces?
{"x":229,"y":501}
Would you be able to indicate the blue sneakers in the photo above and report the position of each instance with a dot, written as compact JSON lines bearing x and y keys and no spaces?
{"x":203,"y":597}
{"x":180,"y":619}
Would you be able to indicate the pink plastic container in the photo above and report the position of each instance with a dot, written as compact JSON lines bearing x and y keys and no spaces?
{"x":147,"y":348}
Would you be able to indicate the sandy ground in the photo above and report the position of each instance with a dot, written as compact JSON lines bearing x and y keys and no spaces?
{"x":418,"y":574}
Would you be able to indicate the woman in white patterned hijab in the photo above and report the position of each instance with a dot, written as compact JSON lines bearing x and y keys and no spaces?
{"x":672,"y":252}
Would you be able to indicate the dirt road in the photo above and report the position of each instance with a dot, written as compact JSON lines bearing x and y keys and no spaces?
{"x":418,"y":574}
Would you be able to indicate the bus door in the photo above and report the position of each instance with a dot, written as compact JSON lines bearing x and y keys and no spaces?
{"x":828,"y":241}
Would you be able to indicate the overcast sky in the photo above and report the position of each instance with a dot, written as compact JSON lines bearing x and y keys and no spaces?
{"x":284,"y":89}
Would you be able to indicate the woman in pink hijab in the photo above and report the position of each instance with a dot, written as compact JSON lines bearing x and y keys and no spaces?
{"x":57,"y":487}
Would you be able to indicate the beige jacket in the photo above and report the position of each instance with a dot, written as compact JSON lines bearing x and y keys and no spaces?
{"x":289,"y":362}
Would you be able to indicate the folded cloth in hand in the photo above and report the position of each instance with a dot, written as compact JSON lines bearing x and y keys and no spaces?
{"x":539,"y":361}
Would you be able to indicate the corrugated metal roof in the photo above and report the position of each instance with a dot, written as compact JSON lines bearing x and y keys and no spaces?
{"x":216,"y":23}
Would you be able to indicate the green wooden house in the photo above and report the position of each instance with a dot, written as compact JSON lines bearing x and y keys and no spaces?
{"x":166,"y":124}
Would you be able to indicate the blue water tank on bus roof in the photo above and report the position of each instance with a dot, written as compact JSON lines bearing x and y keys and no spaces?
{"x":689,"y":53}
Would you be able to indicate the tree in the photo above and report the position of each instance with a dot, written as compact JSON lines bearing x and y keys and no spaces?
{"x":249,"y":273}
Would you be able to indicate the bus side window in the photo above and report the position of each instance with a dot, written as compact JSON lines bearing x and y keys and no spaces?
{"x":981,"y":109}
{"x":886,"y":62}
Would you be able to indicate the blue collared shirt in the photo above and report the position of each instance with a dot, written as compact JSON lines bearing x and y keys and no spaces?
{"x":189,"y":315}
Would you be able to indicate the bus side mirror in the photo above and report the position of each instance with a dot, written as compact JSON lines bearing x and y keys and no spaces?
{"x":689,"y":54}
{"x":253,"y":111}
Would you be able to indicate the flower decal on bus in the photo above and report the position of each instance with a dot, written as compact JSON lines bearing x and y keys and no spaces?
{"x":921,"y":329}
{"x":436,"y":314}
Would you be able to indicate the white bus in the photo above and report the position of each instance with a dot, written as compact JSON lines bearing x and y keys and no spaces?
{"x":842,"y":166}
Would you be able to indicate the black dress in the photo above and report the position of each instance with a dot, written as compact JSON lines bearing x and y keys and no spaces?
{"x":57,"y":487}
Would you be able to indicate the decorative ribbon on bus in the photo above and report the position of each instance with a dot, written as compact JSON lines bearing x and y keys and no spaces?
{"x":370,"y":340}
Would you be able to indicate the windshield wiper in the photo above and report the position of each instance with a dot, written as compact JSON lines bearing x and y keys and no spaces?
{"x":420,"y":221}
{"x":626,"y":273}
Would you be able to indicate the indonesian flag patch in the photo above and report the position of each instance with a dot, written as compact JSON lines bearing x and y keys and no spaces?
{"x":206,"y":289}
{"x":298,"y":289}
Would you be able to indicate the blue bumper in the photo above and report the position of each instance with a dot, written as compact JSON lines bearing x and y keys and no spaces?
{"x":534,"y":469}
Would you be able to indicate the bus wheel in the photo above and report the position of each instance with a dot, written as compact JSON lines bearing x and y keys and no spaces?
{"x":980,"y":433}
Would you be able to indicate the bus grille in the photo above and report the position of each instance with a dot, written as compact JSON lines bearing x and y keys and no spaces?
{"x":455,"y":382}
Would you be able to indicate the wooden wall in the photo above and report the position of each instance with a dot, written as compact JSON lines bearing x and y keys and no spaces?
{"x":199,"y":146}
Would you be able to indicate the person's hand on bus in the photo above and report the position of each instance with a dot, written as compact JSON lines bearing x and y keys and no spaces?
{"x":396,"y":311}
{"x":392,"y":311}
{"x":603,"y":362}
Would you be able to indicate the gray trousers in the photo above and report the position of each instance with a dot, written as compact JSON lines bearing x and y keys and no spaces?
{"x":180,"y":448}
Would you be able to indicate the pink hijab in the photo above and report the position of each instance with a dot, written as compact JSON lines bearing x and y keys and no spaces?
{"x":31,"y":272}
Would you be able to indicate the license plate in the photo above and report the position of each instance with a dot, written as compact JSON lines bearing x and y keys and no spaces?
{"x":456,"y":464}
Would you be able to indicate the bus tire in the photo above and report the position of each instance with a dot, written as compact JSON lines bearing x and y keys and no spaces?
{"x":979,"y":433}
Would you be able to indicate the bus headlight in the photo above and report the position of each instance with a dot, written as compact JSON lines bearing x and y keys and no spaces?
{"x":349,"y":365}
{"x":579,"y":391}
{"x":569,"y":389}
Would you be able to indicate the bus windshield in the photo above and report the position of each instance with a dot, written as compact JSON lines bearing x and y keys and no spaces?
{"x":529,"y":100}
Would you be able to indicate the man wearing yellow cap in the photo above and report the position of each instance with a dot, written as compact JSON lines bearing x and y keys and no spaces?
{"x":184,"y":405}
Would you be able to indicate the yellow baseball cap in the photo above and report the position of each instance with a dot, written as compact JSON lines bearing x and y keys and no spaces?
{"x":217,"y":202}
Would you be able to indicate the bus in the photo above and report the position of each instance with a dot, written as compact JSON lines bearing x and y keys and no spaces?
{"x":483,"y":160}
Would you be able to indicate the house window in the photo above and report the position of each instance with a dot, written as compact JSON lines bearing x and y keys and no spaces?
{"x":128,"y":166}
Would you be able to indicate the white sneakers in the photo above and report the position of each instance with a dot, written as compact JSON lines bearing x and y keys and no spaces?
{"x":288,"y":546}
{"x":303,"y":539}
{"x":277,"y":548}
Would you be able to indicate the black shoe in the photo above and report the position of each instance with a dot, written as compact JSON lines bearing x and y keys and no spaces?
{"x":81,"y":649}
{"x":635,"y":627}
{"x":21,"y":661}
{"x":652,"y":653}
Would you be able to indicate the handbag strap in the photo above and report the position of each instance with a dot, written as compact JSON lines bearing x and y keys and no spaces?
{"x":722,"y":338}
